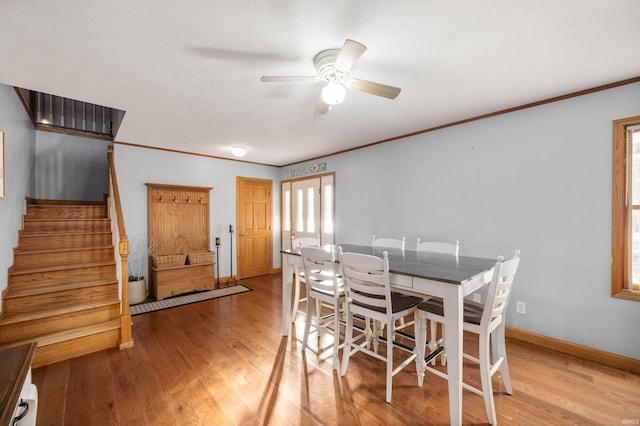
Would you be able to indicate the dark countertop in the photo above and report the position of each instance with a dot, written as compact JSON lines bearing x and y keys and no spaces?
{"x":15,"y":362}
{"x":428,"y":265}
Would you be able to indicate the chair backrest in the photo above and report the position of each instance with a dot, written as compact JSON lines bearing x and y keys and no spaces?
{"x":366,"y":279}
{"x":388,"y":242}
{"x":321,"y":269}
{"x":305,"y":242}
{"x":500,"y":289}
{"x":438,"y":247}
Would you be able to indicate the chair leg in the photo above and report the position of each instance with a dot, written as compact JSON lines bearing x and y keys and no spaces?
{"x":433,"y":341}
{"x":500,"y":351}
{"x":336,"y":335}
{"x":420,"y":330}
{"x":389,"y":362}
{"x":485,"y":376}
{"x":375,"y":335}
{"x":296,"y":298}
{"x":348,"y":336}
{"x":368,"y":332}
{"x":307,"y":324}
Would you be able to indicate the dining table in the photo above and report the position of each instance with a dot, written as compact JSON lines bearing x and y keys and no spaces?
{"x":430,"y":274}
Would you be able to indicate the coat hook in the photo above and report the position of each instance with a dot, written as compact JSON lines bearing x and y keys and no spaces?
{"x":201,"y":200}
{"x":188,"y":198}
{"x":175,"y":198}
{"x":161,"y":199}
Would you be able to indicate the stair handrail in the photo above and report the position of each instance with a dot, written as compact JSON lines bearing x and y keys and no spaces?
{"x":122,"y":243}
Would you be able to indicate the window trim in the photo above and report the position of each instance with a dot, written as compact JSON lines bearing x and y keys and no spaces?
{"x":620,"y":213}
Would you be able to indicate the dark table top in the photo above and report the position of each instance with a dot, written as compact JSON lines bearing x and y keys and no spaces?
{"x":428,"y":265}
{"x":15,"y":362}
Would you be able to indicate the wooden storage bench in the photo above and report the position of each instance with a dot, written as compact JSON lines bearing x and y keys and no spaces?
{"x":176,"y":280}
{"x":181,"y":260}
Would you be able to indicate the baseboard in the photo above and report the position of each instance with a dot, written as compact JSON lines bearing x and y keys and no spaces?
{"x":585,"y":352}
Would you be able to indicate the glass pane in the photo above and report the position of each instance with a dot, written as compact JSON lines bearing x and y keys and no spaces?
{"x":311,"y":222}
{"x":635,"y":247}
{"x":635,"y":199}
{"x":299,"y":211}
{"x":635,"y":168}
{"x":287,"y":211}
{"x":327,"y":214}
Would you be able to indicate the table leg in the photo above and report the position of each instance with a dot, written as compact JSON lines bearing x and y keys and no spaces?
{"x":287,"y":278}
{"x":453,"y":309}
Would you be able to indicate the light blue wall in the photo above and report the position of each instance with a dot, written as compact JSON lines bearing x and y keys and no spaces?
{"x":137,"y":166}
{"x":71,"y":167}
{"x":19,"y":170}
{"x":538,"y":180}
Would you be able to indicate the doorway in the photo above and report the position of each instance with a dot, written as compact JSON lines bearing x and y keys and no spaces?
{"x":307,"y":209}
{"x":254,"y":230}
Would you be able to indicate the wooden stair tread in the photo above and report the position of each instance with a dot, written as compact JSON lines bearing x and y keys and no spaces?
{"x":48,"y":288}
{"x":64,"y":219}
{"x":61,"y":250}
{"x":78,"y":307}
{"x":51,"y":202}
{"x":87,"y":330}
{"x":30,"y":270}
{"x":59,"y":233}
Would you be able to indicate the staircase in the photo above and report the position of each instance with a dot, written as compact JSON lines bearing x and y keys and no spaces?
{"x":62,"y":290}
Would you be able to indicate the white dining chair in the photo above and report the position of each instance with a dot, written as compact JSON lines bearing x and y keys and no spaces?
{"x":298,"y":273}
{"x":445,"y":248}
{"x":388,"y":242}
{"x":369,"y":295}
{"x":487,"y":322}
{"x":438,"y":247}
{"x":325,"y":286}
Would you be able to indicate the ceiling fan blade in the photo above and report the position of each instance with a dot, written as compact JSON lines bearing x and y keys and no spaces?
{"x":377,"y":89}
{"x":286,"y":79}
{"x":321,"y":108}
{"x":349,"y":55}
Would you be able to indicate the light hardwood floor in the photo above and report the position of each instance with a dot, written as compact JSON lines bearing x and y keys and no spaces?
{"x":224,"y":361}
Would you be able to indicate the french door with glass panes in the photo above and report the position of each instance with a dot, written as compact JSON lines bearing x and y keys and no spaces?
{"x":307,"y":209}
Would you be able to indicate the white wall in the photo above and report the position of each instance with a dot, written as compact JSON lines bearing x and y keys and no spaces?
{"x":19,"y":163}
{"x":71,"y":167}
{"x":538,"y":180}
{"x":137,"y":166}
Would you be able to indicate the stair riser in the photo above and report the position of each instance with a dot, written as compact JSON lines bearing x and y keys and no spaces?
{"x":37,"y":327}
{"x":35,"y":260}
{"x":42,"y":302}
{"x":66,"y":212}
{"x":68,"y":225}
{"x":41,"y":242}
{"x":43,"y":278}
{"x":74,"y":348}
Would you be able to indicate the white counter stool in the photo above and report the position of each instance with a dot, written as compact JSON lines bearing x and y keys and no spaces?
{"x":298,"y":273}
{"x":485,"y":323}
{"x":325,"y":286}
{"x":368,"y":288}
{"x":437,"y":247}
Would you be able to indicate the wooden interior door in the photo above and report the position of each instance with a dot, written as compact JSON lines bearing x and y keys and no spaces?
{"x":255,"y":238}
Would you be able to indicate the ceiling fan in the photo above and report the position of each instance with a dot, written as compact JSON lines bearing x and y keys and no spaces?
{"x":333,"y":67}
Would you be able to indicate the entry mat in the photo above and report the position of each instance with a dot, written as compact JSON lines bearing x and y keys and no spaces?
{"x":172,"y":302}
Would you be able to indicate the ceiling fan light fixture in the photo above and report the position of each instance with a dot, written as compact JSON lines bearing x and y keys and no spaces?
{"x":333,"y":93}
{"x":239,"y":151}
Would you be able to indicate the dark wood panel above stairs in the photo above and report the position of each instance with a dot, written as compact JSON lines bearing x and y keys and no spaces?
{"x":62,"y":290}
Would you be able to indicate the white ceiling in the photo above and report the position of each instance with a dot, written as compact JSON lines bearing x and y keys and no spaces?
{"x":187,"y":72}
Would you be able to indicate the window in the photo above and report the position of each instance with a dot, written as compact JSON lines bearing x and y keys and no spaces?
{"x":625,"y":217}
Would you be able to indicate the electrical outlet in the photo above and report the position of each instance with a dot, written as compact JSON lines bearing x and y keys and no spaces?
{"x":521,"y":308}
{"x":477,"y":297}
